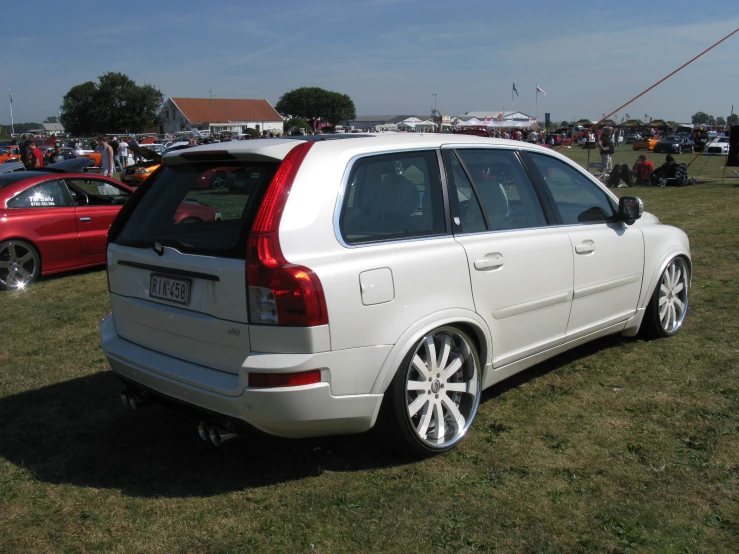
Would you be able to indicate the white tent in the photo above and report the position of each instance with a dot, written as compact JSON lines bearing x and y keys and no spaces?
{"x":508,"y":124}
{"x":416,"y":124}
{"x":472,"y":122}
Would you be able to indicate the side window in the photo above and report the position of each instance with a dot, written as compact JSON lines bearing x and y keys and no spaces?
{"x":94,"y":192}
{"x":471,"y":219}
{"x":578,"y":199}
{"x":52,"y":194}
{"x":393,"y":196}
{"x":503,"y":188}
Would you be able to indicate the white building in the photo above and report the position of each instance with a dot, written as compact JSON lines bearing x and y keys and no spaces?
{"x":214,"y":115}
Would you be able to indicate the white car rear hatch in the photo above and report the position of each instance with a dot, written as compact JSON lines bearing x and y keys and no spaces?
{"x":177,"y":253}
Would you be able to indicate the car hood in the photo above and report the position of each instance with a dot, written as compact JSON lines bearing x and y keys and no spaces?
{"x":147,"y":153}
{"x":75,"y":165}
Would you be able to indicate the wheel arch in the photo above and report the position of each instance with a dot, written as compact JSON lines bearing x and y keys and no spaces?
{"x":467,"y":321}
{"x":35,"y":247}
{"x":675,"y":252}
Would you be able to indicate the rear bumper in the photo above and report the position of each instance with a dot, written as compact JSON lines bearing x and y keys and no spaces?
{"x":295,"y":412}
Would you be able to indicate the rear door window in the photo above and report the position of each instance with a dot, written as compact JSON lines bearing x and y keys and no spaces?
{"x":391,"y":197}
{"x":501,"y":188}
{"x":51,"y":194}
{"x":200,"y":208}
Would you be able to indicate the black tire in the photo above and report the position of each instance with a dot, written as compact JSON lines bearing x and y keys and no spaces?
{"x":656,"y":323}
{"x":400,"y":427}
{"x":20,"y":264}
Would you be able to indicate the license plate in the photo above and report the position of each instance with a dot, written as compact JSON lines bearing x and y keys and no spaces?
{"x":170,"y":288}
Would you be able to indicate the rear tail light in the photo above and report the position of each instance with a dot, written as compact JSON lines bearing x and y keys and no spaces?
{"x":272,"y":380}
{"x":280,"y":293}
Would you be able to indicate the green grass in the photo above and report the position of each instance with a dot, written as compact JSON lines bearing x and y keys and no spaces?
{"x":617,"y":446}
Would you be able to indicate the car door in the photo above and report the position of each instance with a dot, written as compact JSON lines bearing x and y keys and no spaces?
{"x":44,"y":214}
{"x":520,"y":262}
{"x":608,"y":255}
{"x":98,"y":201}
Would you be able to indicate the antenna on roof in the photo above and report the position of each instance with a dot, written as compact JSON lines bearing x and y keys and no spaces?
{"x":211,"y":95}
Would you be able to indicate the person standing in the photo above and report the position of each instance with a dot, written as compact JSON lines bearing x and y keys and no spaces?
{"x":55,"y":155}
{"x":133,"y":142}
{"x":35,"y":158}
{"x":123,"y":153}
{"x":107,"y":165}
{"x":605,"y":143}
{"x":116,"y":154}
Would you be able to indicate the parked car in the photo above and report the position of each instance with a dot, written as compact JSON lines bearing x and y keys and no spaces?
{"x":717,"y":147}
{"x":11,"y":166}
{"x":9,"y":153}
{"x":74,"y":165}
{"x":631,"y":137}
{"x":367,"y":279}
{"x":644,"y":143}
{"x":52,"y":222}
{"x":675,"y":144}
{"x":136,"y":174}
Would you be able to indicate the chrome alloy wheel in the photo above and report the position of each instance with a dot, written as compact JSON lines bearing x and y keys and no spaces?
{"x":442,"y":388}
{"x":673,"y":296}
{"x":19,"y":264}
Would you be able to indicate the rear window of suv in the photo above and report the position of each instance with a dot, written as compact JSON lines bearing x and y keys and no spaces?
{"x":393,"y":197}
{"x":200,"y":208}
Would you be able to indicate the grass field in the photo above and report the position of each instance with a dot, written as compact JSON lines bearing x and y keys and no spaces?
{"x":618,"y":446}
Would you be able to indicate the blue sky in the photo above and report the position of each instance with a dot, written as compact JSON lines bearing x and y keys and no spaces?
{"x":390,"y":56}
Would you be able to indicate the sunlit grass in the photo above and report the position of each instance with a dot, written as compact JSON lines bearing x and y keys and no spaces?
{"x":618,"y":446}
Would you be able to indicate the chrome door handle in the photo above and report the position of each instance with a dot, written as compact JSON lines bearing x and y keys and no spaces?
{"x":85,"y":218}
{"x":586,"y":247}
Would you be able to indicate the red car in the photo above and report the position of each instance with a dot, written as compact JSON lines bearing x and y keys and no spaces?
{"x":52,"y":222}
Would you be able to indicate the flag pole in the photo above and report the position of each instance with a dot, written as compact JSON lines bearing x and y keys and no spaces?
{"x":10,"y":99}
{"x":537,"y":102}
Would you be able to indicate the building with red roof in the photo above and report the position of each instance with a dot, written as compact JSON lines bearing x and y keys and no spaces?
{"x":215,"y":115}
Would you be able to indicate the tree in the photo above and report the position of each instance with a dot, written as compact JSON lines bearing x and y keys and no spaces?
{"x":733,"y":119}
{"x":295,"y":123}
{"x":700,"y":118}
{"x":253,"y":132}
{"x":315,"y":103}
{"x":720,"y":122}
{"x":115,"y":104}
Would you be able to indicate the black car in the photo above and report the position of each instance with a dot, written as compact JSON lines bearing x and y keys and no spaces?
{"x":675,"y":144}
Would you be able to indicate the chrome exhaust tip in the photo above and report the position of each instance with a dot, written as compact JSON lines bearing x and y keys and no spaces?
{"x":203,"y":431}
{"x":218,"y":435}
{"x":132,"y":399}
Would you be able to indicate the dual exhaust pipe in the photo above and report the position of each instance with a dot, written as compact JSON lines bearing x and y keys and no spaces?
{"x":214,"y":433}
{"x":207,"y":432}
{"x":132,"y":399}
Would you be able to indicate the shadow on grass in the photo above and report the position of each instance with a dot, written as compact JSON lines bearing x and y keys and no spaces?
{"x":79,"y":433}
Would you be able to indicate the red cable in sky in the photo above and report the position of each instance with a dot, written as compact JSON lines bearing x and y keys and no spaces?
{"x":654,"y":85}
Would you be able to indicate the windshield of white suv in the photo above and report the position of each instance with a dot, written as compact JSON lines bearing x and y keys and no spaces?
{"x":200,"y":208}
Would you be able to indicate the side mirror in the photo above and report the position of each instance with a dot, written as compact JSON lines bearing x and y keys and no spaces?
{"x":630,"y":208}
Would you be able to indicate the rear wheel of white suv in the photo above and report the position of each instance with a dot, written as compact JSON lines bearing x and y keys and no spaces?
{"x":433,"y":398}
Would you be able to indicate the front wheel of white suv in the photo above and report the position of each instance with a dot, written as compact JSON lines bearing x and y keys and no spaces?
{"x":433,"y":398}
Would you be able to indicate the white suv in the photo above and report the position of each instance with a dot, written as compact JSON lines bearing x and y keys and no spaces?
{"x":353,"y":279}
